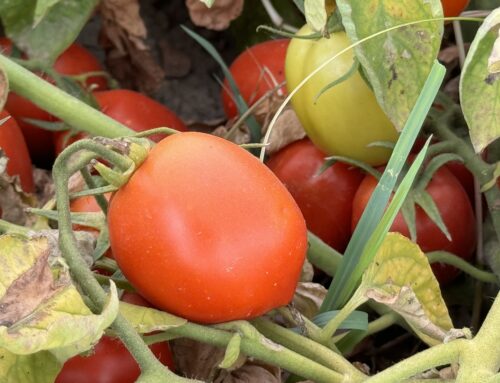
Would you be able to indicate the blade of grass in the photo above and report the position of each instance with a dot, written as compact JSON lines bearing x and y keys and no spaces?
{"x":373,"y":224}
{"x":253,"y":125}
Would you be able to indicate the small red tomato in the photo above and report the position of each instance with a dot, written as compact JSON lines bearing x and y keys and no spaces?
{"x":205,"y":231}
{"x":133,"y":110}
{"x":452,"y":8}
{"x":455,"y":209}
{"x":257,"y":70}
{"x":324,"y":199}
{"x":13,"y":144}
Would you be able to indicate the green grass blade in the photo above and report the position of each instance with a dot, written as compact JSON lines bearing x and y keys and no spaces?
{"x":242,"y":106}
{"x":371,"y":230}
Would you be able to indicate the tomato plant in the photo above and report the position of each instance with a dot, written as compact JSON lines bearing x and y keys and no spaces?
{"x":325,"y":200}
{"x":346,"y":118}
{"x":75,"y":60}
{"x":110,"y":361}
{"x":456,"y":212}
{"x":203,"y":230}
{"x":13,"y":144}
{"x":132,"y":109}
{"x":452,"y":8}
{"x":257,"y":70}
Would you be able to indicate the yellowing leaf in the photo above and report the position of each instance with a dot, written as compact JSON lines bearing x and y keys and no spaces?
{"x":40,"y":308}
{"x":41,"y":367}
{"x":400,"y":277}
{"x":145,"y":319}
{"x":316,"y":14}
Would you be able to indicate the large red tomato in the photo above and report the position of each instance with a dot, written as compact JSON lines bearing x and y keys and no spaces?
{"x":13,"y":144}
{"x":326,"y":199}
{"x":110,"y":361}
{"x":132,"y":109}
{"x":257,"y":70}
{"x":73,"y":61}
{"x":456,"y":211}
{"x":203,"y":230}
{"x":452,"y":8}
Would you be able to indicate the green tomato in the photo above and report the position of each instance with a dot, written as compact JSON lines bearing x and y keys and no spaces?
{"x":346,"y":118}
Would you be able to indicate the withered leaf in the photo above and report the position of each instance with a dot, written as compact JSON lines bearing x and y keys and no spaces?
{"x":218,"y":16}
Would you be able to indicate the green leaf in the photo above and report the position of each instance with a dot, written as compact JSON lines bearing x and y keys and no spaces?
{"x":52,"y":34}
{"x":480,"y":84}
{"x":401,"y":278}
{"x":232,"y":353}
{"x":425,"y":201}
{"x":41,"y":309}
{"x":145,"y":319}
{"x":357,"y":320}
{"x":316,"y":15}
{"x":398,"y":62}
{"x":41,"y":9}
{"x":41,"y":367}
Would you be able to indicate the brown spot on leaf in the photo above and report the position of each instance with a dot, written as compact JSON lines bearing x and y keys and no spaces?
{"x":492,"y":78}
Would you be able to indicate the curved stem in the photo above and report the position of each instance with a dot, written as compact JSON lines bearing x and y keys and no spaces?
{"x":321,"y":255}
{"x":459,"y":263}
{"x":100,"y":199}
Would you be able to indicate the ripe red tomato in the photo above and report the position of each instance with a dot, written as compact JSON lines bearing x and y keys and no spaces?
{"x":73,"y":61}
{"x":205,"y":231}
{"x":110,"y":361}
{"x":13,"y":144}
{"x":257,"y":70}
{"x":452,"y":8}
{"x":325,"y":200}
{"x":133,"y":110}
{"x":456,"y":211}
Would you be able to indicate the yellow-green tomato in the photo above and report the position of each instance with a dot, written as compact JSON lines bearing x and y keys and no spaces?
{"x":346,"y":118}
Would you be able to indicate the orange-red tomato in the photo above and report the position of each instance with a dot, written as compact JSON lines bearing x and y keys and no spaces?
{"x":452,"y":8}
{"x":13,"y":144}
{"x":325,"y":199}
{"x":203,"y":230}
{"x":257,"y":70}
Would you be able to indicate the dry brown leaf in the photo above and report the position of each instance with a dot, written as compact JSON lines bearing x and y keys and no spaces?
{"x":286,"y":130}
{"x":308,"y":298}
{"x":217,"y":17}
{"x":251,"y":372}
{"x":128,"y":55}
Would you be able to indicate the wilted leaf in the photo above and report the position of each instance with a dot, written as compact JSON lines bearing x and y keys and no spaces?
{"x":286,"y":130}
{"x":400,"y":277}
{"x":251,"y":372}
{"x":40,"y":309}
{"x":308,"y":298}
{"x":59,"y":27}
{"x":218,"y":16}
{"x":145,"y":319}
{"x":396,"y":63}
{"x":480,"y":84}
{"x":129,"y":58}
{"x":41,"y":367}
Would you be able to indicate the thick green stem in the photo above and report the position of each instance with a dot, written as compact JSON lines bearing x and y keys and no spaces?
{"x":309,"y":348}
{"x":12,"y":228}
{"x":60,"y":104}
{"x":80,"y":271}
{"x":322,"y":256}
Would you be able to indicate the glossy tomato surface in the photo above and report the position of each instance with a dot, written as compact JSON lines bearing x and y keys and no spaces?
{"x":257,"y":70}
{"x":456,"y":211}
{"x":13,"y":144}
{"x":205,"y":231}
{"x":345,"y":119}
{"x":325,"y":199}
{"x":452,"y":8}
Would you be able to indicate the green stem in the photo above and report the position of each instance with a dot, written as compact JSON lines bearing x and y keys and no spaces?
{"x":459,"y":263}
{"x":120,"y":283}
{"x":60,"y":104}
{"x":12,"y":228}
{"x":150,"y":366}
{"x":321,"y":255}
{"x":100,"y":199}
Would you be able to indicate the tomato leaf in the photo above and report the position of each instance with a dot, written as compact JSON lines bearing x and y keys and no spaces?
{"x":232,"y":353}
{"x":40,"y":308}
{"x":316,"y":15}
{"x":480,"y":84}
{"x":401,"y":278}
{"x":145,"y":319}
{"x":47,"y":37}
{"x":398,"y":62}
{"x":42,"y":367}
{"x":41,"y":9}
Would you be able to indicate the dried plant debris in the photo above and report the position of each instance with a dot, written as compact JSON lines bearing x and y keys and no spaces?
{"x":218,"y":16}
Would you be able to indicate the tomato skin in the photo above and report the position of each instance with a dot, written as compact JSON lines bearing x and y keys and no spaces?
{"x":132,"y":109}
{"x":205,"y":231}
{"x":252,"y":81}
{"x":453,"y":8}
{"x":347,"y":117}
{"x":325,"y":200}
{"x":13,"y":144}
{"x":456,"y":211}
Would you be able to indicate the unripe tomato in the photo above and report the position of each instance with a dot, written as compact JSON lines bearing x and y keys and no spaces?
{"x":452,"y":8}
{"x":110,"y":361}
{"x":132,"y":109}
{"x":325,"y":199}
{"x":346,"y":118}
{"x":257,"y":70}
{"x":13,"y":144}
{"x":205,"y":231}
{"x":455,"y":209}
